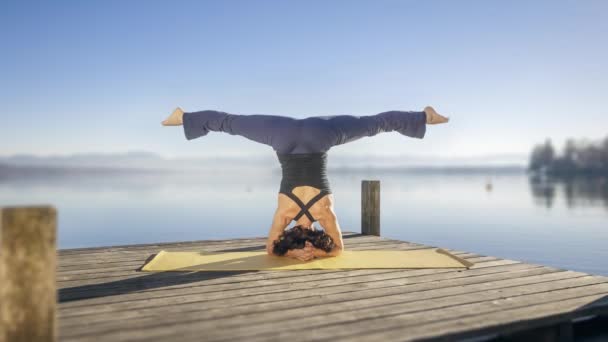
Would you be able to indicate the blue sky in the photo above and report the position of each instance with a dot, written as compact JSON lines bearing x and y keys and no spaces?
{"x":99,"y":76}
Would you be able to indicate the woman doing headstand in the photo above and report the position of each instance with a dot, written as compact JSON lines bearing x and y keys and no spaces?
{"x":301,"y":146}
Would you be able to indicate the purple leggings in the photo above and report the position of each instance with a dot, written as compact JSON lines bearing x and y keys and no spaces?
{"x":310,"y":135}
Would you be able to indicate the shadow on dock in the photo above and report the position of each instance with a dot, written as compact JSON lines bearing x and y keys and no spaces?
{"x":154,"y":280}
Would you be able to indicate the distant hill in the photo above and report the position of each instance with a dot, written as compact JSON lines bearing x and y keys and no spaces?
{"x":128,"y":160}
{"x":140,"y":160}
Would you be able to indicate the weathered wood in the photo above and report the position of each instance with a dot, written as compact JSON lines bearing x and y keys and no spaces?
{"x":129,"y":248}
{"x":221,"y":294}
{"x":27,"y":274}
{"x":169,"y":282}
{"x":283,"y":287}
{"x":346,"y":318}
{"x":97,"y":294}
{"x":68,"y":278}
{"x":288,"y":305}
{"x":370,"y":207}
{"x":122,"y":304}
{"x":508,"y":316}
{"x":384,"y":316}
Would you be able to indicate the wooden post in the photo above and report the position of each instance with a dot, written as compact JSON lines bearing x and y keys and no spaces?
{"x":370,"y":207}
{"x":28,"y":293}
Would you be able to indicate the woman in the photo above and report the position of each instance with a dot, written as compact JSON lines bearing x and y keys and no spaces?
{"x":301,"y":146}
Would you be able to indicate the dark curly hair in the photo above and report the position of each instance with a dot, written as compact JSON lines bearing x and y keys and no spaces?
{"x":297,"y":236}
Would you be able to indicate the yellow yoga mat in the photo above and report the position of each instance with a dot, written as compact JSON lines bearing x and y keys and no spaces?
{"x":255,"y":261}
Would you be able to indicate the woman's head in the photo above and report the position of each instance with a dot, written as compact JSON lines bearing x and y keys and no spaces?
{"x":297,"y":236}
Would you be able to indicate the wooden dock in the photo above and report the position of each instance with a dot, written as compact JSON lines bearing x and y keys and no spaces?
{"x":103,"y":297}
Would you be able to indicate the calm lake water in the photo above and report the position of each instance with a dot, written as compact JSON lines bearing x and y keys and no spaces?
{"x":560,"y":224}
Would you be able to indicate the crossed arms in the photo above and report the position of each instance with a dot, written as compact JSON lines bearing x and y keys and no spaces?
{"x":328,"y":221}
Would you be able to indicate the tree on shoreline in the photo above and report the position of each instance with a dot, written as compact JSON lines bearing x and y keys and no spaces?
{"x":542,"y":156}
{"x":577,"y":157}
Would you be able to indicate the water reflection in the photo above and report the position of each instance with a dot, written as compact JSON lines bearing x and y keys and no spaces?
{"x":576,"y":191}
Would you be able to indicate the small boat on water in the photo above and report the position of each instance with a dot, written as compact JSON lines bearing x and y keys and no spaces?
{"x":489,"y":186}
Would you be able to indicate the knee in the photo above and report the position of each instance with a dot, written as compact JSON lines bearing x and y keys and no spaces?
{"x":215,"y":120}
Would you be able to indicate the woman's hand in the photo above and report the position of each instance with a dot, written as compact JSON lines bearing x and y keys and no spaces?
{"x":304,"y":254}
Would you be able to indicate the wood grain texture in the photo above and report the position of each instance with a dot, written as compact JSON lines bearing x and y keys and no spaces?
{"x":119,"y":303}
{"x":27,"y":274}
{"x":370,"y":207}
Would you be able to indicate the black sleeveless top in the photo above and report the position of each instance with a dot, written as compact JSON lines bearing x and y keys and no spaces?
{"x":304,"y":169}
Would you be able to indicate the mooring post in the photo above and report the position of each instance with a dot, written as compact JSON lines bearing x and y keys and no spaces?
{"x":28,"y":293}
{"x":370,"y":207}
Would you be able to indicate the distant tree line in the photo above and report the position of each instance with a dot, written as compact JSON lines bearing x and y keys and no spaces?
{"x":577,"y":157}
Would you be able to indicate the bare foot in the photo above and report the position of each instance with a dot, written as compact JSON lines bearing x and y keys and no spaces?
{"x":175,"y":119}
{"x":432,"y":117}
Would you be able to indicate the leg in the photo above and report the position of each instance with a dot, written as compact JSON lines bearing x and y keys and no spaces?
{"x":272,"y":130}
{"x":350,"y":128}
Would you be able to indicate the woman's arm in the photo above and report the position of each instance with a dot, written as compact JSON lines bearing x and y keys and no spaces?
{"x":303,"y":254}
{"x":317,"y":252}
{"x":279,"y":222}
{"x":330,"y":224}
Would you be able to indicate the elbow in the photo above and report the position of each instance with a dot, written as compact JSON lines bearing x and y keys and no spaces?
{"x":269,"y":250}
{"x":337,"y":251}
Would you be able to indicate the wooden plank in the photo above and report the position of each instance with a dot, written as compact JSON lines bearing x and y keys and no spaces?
{"x":283,"y":281}
{"x":213,"y":279}
{"x":131,"y":272}
{"x":347,"y":316}
{"x":171,"y":280}
{"x":135,"y":247}
{"x":416,"y":315}
{"x":277,"y":309}
{"x":27,"y":274}
{"x":440,"y":290}
{"x":212,"y":290}
{"x":122,"y":304}
{"x":507,"y":316}
{"x":163,"y":279}
{"x":184,"y":307}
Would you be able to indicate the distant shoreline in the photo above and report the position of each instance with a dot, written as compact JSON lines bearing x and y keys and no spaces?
{"x":8,"y":171}
{"x":566,"y":174}
{"x":26,"y":171}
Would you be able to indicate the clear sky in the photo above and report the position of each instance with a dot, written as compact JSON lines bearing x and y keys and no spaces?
{"x":99,"y":76}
